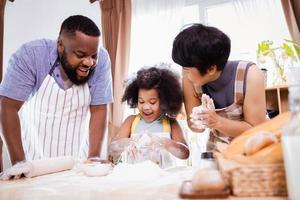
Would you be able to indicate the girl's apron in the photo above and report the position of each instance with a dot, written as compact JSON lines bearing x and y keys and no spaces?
{"x":161,"y":127}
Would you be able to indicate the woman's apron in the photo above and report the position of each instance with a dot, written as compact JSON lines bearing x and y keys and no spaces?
{"x":54,"y":122}
{"x":233,"y":111}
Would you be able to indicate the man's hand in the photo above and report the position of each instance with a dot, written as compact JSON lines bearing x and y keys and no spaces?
{"x":16,"y":171}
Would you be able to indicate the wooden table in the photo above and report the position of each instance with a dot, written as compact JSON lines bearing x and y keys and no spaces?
{"x":71,"y":185}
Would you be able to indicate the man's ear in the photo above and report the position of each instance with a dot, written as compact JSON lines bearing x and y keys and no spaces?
{"x":212,"y":70}
{"x":60,"y":46}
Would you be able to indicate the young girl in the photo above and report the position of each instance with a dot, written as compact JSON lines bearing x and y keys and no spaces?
{"x":154,"y":132}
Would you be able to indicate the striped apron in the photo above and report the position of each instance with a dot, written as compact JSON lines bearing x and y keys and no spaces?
{"x":54,"y":122}
{"x":233,"y":111}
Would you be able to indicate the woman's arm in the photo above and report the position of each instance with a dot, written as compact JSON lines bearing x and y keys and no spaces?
{"x":254,"y":107}
{"x":190,"y":99}
{"x":177,"y":145}
{"x":255,"y":98}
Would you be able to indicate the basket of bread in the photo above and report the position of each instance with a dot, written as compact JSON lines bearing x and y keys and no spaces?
{"x":252,"y":164}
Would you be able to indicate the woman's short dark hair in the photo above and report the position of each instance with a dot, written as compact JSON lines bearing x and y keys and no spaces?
{"x":201,"y":47}
{"x":79,"y":23}
{"x":164,"y":81}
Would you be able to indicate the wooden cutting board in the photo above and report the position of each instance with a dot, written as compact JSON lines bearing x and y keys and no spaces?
{"x":187,"y":192}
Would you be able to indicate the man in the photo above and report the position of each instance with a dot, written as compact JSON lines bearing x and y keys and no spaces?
{"x":54,"y":92}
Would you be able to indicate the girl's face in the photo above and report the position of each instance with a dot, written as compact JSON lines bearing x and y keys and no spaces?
{"x":149,"y":104}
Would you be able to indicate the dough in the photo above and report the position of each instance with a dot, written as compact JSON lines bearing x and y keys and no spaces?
{"x":259,"y":141}
{"x":208,"y":179}
{"x":94,"y":169}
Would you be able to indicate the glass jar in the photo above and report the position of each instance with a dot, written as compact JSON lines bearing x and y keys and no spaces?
{"x":291,"y":144}
{"x":207,"y":160}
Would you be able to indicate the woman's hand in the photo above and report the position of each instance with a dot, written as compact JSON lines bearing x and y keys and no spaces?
{"x":199,"y":113}
{"x":210,"y":119}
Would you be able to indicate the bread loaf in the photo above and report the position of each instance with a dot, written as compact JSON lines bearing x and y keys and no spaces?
{"x":208,"y":180}
{"x":236,"y":147}
{"x":271,"y":154}
{"x":258,"y":141}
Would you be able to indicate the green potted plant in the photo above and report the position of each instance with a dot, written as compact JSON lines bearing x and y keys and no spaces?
{"x":278,"y":59}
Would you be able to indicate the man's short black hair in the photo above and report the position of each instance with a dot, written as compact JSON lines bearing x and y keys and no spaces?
{"x":79,"y":23}
{"x":201,"y":46}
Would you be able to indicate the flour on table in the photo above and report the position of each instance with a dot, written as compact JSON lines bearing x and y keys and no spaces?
{"x":146,"y":170}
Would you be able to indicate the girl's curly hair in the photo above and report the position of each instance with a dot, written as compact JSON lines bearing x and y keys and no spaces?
{"x":164,"y":81}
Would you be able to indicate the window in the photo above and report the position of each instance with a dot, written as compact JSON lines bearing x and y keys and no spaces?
{"x":247,"y":22}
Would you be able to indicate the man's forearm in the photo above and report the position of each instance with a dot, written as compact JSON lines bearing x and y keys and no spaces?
{"x":97,"y":129}
{"x":12,"y":134}
{"x":95,"y":144}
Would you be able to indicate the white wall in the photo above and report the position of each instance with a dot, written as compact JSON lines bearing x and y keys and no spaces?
{"x":27,"y":20}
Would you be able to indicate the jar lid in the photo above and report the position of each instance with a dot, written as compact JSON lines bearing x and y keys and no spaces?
{"x":207,"y":155}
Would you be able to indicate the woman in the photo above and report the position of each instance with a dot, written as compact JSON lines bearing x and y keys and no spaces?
{"x":236,"y":87}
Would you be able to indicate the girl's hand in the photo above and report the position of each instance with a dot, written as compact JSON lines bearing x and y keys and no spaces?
{"x":132,"y":150}
{"x":155,"y":142}
{"x":164,"y":142}
{"x":117,"y":146}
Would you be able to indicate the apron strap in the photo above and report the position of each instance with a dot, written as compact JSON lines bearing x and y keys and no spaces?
{"x":239,"y":82}
{"x":134,"y":123}
{"x":166,"y":125}
{"x":53,"y":66}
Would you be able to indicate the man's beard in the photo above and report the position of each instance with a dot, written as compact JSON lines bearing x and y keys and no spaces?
{"x":71,"y":71}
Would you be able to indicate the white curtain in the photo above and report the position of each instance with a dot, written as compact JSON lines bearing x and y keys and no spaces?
{"x":248,"y":22}
{"x":155,"y":23}
{"x":261,"y":20}
{"x":265,"y":19}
